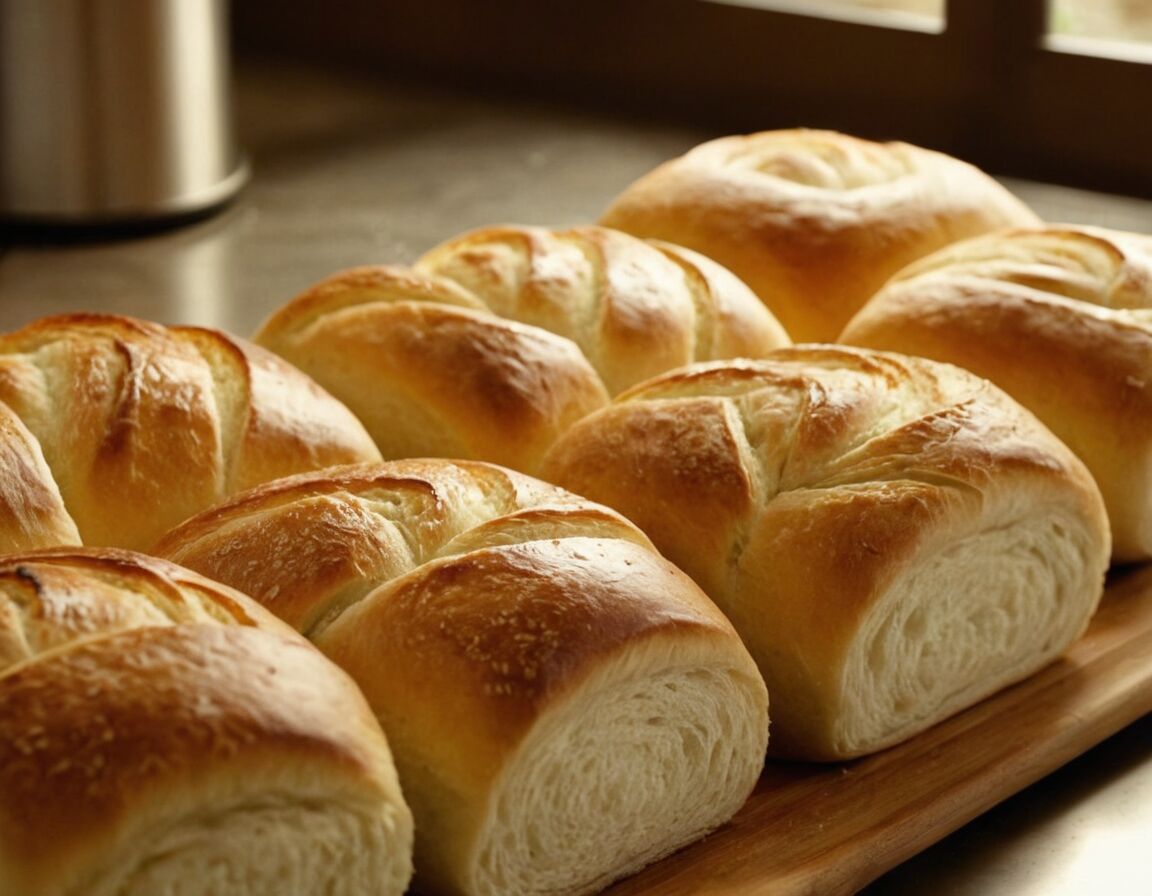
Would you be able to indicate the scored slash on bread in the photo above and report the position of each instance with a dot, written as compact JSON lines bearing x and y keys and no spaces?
{"x":564,"y":705}
{"x":1060,"y":317}
{"x":813,"y":221}
{"x":102,"y":413}
{"x":159,"y":731}
{"x":430,"y":371}
{"x":498,"y":340}
{"x":894,"y":538}
{"x":635,"y":307}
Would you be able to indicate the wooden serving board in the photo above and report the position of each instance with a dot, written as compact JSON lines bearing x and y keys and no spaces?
{"x":825,"y":830}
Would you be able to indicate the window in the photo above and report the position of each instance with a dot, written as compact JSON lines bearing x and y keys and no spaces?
{"x":1055,"y":89}
{"x":1059,"y":89}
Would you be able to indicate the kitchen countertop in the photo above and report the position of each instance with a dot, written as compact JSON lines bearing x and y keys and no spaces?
{"x":351,"y":171}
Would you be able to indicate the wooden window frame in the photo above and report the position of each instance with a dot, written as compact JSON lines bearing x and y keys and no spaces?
{"x":990,"y":86}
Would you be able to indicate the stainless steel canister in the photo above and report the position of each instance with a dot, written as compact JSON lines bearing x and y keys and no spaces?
{"x":115,"y":110}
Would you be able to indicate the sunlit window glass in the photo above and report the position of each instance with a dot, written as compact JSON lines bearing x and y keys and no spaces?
{"x":1129,"y":21}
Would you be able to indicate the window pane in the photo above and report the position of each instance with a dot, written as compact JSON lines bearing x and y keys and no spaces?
{"x":1118,"y":20}
{"x":933,"y":8}
{"x":924,"y":15}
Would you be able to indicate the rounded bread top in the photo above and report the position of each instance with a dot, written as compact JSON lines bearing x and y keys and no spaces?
{"x":137,"y":694}
{"x":498,"y":340}
{"x":813,"y":221}
{"x":1060,"y":317}
{"x":164,"y":420}
{"x":430,"y":370}
{"x":483,"y":583}
{"x":1102,"y":268}
{"x":636,"y":308}
{"x":695,"y":457}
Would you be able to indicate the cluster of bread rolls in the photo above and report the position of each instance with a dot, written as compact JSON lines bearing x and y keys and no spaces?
{"x":1061,"y":318}
{"x":894,"y":538}
{"x":564,"y":705}
{"x":497,"y":341}
{"x":565,"y":708}
{"x":882,"y":539}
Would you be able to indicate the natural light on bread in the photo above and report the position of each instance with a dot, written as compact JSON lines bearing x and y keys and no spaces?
{"x":565,"y":706}
{"x":132,"y":426}
{"x":895,"y":539}
{"x":1060,"y":317}
{"x":498,"y":340}
{"x":813,"y":221}
{"x":635,"y":307}
{"x":160,"y":733}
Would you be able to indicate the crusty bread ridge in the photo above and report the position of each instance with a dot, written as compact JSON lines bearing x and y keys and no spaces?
{"x":635,"y":307}
{"x":564,"y":705}
{"x":141,"y":425}
{"x":430,"y":371}
{"x":498,"y":340}
{"x":32,"y":512}
{"x":1060,"y":317}
{"x":894,"y":539}
{"x":813,"y":221}
{"x":162,"y":733}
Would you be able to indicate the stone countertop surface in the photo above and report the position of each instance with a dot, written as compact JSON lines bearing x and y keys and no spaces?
{"x":350,"y":171}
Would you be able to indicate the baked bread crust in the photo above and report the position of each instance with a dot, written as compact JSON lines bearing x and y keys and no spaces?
{"x":1060,"y":317}
{"x":564,"y":705}
{"x":164,"y":420}
{"x":893,"y":538}
{"x":159,"y":731}
{"x":636,"y":308}
{"x":32,"y":512}
{"x":813,"y":221}
{"x":430,"y":371}
{"x":498,"y":340}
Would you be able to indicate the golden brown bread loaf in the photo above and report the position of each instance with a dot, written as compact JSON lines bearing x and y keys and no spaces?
{"x":635,"y":307}
{"x":500,"y":339}
{"x":160,"y":733}
{"x":894,"y":539}
{"x":140,"y":426}
{"x":32,"y":512}
{"x":563,"y":704}
{"x":1059,"y":317}
{"x":430,"y":371}
{"x":814,"y":221}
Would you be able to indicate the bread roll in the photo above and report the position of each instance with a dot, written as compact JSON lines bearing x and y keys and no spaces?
{"x":500,"y":339}
{"x":635,"y":308}
{"x":1061,"y":318}
{"x":894,"y":539}
{"x":430,"y":371}
{"x":813,"y":221}
{"x":160,"y":733}
{"x":564,"y":705}
{"x":32,"y":511}
{"x":134,"y":426}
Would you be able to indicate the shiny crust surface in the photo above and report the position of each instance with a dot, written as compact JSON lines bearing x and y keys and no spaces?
{"x":32,"y":512}
{"x":498,"y":340}
{"x":165,"y":420}
{"x":798,"y":489}
{"x":813,"y":221}
{"x":137,"y":695}
{"x":1060,"y":317}
{"x":476,"y":607}
{"x":316,"y":547}
{"x":635,"y":308}
{"x":430,"y":371}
